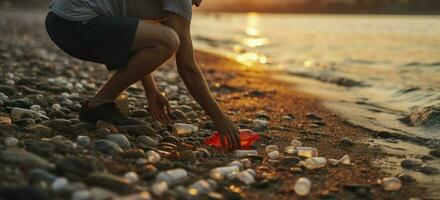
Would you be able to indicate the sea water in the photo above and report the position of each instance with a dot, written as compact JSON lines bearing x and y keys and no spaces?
{"x":381,"y":72}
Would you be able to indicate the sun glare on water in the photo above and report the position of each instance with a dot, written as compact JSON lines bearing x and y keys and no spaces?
{"x":246,"y":52}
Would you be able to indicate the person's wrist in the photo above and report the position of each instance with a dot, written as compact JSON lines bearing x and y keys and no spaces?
{"x":217,"y":116}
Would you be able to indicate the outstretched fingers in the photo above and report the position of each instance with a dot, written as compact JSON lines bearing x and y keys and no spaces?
{"x":222,"y":140}
{"x":155,"y":116}
{"x":231,"y":144}
{"x":236,"y":136}
{"x":168,"y":112}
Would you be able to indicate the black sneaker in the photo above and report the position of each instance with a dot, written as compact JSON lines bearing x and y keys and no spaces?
{"x":108,"y":112}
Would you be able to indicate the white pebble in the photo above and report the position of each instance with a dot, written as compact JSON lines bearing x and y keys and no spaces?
{"x":273,"y":155}
{"x":345,"y":160}
{"x":35,"y":108}
{"x":11,"y":142}
{"x":391,"y":184}
{"x":290,"y":150}
{"x":41,"y":112}
{"x":244,"y":153}
{"x":259,"y":124}
{"x":3,"y":96}
{"x":302,"y":186}
{"x":159,"y":188}
{"x":56,"y":107}
{"x":246,"y":162}
{"x":82,"y":195}
{"x":287,"y":118}
{"x":296,"y":143}
{"x":10,"y":82}
{"x":59,"y":184}
{"x":131,"y":177}
{"x":141,"y":161}
{"x":315,"y":162}
{"x":153,"y":156}
{"x":181,"y":129}
{"x":247,"y":177}
{"x":307,"y":152}
{"x":270,"y":148}
{"x":65,"y":94}
{"x":236,"y":163}
{"x":83,"y":140}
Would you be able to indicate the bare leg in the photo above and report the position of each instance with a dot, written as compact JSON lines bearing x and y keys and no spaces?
{"x":153,"y":45}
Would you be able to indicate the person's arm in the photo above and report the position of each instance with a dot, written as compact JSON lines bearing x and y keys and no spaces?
{"x":193,"y":78}
{"x":149,"y":85}
{"x":158,"y":104}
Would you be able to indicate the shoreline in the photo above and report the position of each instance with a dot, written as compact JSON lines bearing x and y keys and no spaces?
{"x":297,"y":103}
{"x":38,"y":67}
{"x":396,"y":146}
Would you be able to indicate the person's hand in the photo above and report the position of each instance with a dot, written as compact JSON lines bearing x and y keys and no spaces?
{"x":228,"y":132}
{"x":197,"y":2}
{"x":159,"y":107}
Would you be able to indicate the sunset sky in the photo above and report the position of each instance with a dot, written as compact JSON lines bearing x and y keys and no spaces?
{"x":322,"y":5}
{"x":237,"y":5}
{"x":270,"y":5}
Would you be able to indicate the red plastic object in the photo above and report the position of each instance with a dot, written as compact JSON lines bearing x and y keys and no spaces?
{"x":247,"y":138}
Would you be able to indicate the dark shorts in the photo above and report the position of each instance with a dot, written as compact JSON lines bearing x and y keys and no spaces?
{"x":105,"y":40}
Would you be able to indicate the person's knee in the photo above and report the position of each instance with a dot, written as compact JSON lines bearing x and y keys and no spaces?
{"x":169,"y":42}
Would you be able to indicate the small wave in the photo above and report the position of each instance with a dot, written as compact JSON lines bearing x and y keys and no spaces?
{"x":408,"y":90}
{"x":421,"y":64}
{"x":427,"y":117}
{"x":328,"y":78}
{"x":366,"y":62}
{"x":213,"y":41}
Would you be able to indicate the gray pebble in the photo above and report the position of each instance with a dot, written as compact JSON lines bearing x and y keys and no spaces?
{"x":289,"y":161}
{"x":178,"y":114}
{"x":57,"y":124}
{"x":79,"y":129}
{"x":24,"y":122}
{"x":313,"y":116}
{"x":139,"y":113}
{"x":42,"y":175}
{"x":435,"y":153}
{"x":192,"y":115}
{"x":410,"y":164}
{"x":188,"y":156}
{"x":40,"y":130}
{"x":205,"y":152}
{"x":429,"y":170}
{"x":77,"y":166}
{"x":141,"y":130}
{"x":346,"y":142}
{"x":107,"y":147}
{"x":25,"y":159}
{"x":262,"y":115}
{"x":146,"y":141}
{"x":119,"y":139}
{"x":110,"y":182}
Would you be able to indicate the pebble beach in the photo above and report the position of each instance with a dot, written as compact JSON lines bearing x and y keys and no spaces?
{"x":47,"y":153}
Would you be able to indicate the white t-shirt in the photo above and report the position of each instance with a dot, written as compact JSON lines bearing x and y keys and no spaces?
{"x":83,"y":10}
